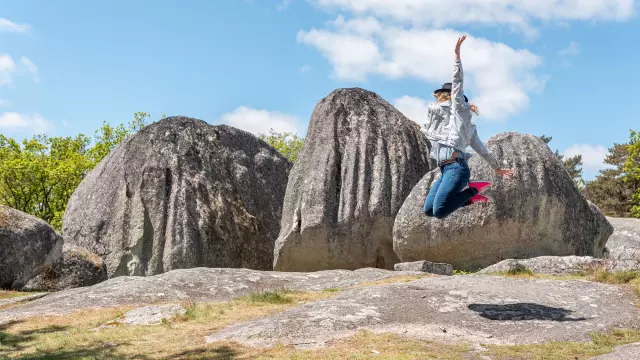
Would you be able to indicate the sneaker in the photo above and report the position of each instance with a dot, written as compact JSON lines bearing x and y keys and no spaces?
{"x":478,"y":198}
{"x":479,"y":185}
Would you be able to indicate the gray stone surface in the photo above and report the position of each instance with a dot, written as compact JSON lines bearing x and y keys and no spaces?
{"x":550,"y":265}
{"x":482,"y":309}
{"x":625,"y":352}
{"x":28,"y":246}
{"x":181,"y":194}
{"x":624,"y":244}
{"x":152,"y":315}
{"x":76,"y":268}
{"x":360,"y":160}
{"x":198,"y":284}
{"x":21,"y":299}
{"x":538,"y":212}
{"x":425,"y":266}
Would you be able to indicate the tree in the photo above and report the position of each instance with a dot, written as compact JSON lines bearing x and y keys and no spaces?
{"x":39,"y":175}
{"x":288,"y":144}
{"x":631,"y":171}
{"x":573,"y":165}
{"x":613,"y":190}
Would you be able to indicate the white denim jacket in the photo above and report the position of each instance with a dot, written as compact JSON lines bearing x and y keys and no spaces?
{"x":450,"y":124}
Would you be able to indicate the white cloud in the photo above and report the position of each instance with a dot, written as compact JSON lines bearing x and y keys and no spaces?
{"x":304,"y":68}
{"x":413,"y":108}
{"x":31,"y":67}
{"x":592,"y":156}
{"x":7,"y":67}
{"x":517,"y":14}
{"x":497,"y":77}
{"x":5,"y":103}
{"x":572,"y":49}
{"x":258,"y":121}
{"x":24,"y":123}
{"x":10,"y":26}
{"x":283,"y":4}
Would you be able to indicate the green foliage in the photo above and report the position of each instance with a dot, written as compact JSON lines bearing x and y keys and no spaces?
{"x":631,"y":170}
{"x":39,"y":175}
{"x":573,"y":165}
{"x":288,"y":144}
{"x":270,"y":297}
{"x":614,"y":190}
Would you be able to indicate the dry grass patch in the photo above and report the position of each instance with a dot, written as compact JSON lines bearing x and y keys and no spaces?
{"x":9,"y":294}
{"x":78,"y":336}
{"x":601,"y":343}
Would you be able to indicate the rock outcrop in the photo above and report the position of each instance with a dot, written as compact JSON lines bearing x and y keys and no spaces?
{"x":77,"y":267}
{"x":623,"y":246}
{"x":360,"y":160}
{"x":28,"y":246}
{"x":538,"y":212}
{"x":476,"y":309}
{"x":549,"y":265}
{"x":180,"y":194}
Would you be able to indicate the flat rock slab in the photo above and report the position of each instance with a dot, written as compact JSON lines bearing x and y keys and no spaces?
{"x":626,"y":352}
{"x":550,"y":265}
{"x":482,"y":309}
{"x":198,"y":284}
{"x":425,"y":266}
{"x":152,"y":315}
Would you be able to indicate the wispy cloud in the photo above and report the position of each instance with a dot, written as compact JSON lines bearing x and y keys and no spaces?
{"x":592,"y":157}
{"x":572,"y":50}
{"x":304,"y":68}
{"x":283,"y":4}
{"x":7,"y":68}
{"x":10,"y":26}
{"x":24,"y":123}
{"x":259,"y":121}
{"x":31,"y":67}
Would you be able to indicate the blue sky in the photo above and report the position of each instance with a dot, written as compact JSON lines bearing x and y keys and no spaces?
{"x":564,"y":68}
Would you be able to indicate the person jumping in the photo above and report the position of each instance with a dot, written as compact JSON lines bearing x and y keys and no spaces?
{"x":450,"y":130}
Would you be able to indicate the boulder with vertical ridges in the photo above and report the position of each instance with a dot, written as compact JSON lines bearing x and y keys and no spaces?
{"x":361,"y":158}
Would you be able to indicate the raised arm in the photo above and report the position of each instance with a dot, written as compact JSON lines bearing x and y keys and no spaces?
{"x":457,"y":88}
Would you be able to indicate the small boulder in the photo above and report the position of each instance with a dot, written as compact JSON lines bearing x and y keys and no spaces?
{"x":538,"y":212}
{"x":549,"y":265}
{"x":623,"y":246}
{"x":360,"y":160}
{"x":77,"y":267}
{"x":425,"y":266}
{"x":28,"y":246}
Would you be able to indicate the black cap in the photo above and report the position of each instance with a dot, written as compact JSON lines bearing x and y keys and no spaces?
{"x":446,"y":87}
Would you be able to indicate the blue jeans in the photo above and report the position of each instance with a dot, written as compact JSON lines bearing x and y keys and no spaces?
{"x":446,"y":194}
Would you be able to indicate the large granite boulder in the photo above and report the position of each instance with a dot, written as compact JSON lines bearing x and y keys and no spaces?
{"x":360,"y":160}
{"x":537,"y":212}
{"x":28,"y":246}
{"x":180,"y":194}
{"x":623,"y":247}
{"x":77,"y":267}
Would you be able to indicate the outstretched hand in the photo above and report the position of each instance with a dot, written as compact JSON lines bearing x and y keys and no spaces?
{"x":458,"y":45}
{"x":505,"y":172}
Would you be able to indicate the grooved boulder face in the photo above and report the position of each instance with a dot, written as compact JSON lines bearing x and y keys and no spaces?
{"x":538,"y":212}
{"x":28,"y":246}
{"x":180,"y":194}
{"x":361,"y":158}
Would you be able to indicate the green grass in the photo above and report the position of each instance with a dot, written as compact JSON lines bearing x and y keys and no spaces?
{"x":271,"y":297}
{"x":332,"y":290}
{"x":620,"y":277}
{"x":520,"y":270}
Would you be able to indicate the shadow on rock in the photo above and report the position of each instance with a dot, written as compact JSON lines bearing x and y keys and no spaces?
{"x":522,"y":311}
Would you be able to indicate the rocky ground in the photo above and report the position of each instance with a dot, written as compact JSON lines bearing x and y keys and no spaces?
{"x":490,"y":315}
